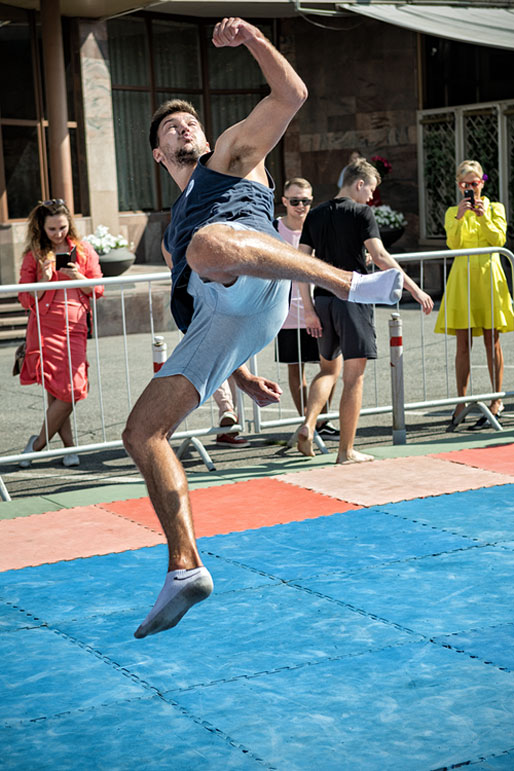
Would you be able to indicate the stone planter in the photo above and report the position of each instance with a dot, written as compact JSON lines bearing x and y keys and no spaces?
{"x":390,"y":235}
{"x":117,"y":261}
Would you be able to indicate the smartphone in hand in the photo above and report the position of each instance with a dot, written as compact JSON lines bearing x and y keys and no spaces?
{"x":470,"y":196}
{"x":63,"y":258}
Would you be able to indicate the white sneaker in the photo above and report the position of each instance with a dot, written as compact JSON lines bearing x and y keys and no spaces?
{"x":71,"y":460}
{"x":28,"y":448}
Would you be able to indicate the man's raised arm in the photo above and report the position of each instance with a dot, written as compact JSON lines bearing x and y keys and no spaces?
{"x":247,"y":143}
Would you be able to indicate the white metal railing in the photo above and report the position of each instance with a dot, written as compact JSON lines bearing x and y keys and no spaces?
{"x":188,"y":435}
{"x":431,"y":396}
{"x":473,"y":399}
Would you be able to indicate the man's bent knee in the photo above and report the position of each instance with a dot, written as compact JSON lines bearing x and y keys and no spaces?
{"x":132,"y":437}
{"x":160,"y":409}
{"x":208,"y":253}
{"x":200,"y":250}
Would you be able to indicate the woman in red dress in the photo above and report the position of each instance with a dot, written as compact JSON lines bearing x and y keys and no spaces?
{"x":48,"y":361}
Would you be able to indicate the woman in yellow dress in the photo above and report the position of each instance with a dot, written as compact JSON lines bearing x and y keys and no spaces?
{"x":476,"y":222}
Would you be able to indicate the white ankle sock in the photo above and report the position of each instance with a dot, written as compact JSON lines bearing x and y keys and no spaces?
{"x":384,"y":286}
{"x":182,"y":589}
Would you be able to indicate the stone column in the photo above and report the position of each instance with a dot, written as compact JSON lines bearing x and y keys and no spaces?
{"x":99,"y":126}
{"x":56,"y":102}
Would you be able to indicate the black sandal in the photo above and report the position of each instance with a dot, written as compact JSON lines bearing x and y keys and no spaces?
{"x":484,"y":421}
{"x":481,"y":423}
{"x":452,"y":425}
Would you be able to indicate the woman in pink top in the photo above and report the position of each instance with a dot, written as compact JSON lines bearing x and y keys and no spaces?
{"x":51,"y":231}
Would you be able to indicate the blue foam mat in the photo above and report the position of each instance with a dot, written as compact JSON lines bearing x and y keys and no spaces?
{"x":410,"y":708}
{"x":374,"y":639}
{"x":503,"y":762}
{"x":486,"y":514}
{"x":493,"y":644}
{"x":147,"y":733}
{"x":240,"y":634}
{"x":432,"y":596}
{"x":111,"y":583}
{"x":349,"y":541}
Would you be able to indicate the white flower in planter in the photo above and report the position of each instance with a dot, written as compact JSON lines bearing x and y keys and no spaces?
{"x":102,"y":241}
{"x":388,"y":218}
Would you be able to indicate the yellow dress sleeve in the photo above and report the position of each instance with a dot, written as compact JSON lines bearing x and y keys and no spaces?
{"x":454,"y":229}
{"x":493,"y":225}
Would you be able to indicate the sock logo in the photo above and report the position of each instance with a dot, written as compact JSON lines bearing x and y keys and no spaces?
{"x":184,"y":578}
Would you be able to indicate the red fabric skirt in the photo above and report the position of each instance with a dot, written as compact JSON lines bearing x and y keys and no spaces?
{"x":55,"y":361}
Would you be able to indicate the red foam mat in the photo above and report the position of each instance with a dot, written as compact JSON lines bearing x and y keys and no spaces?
{"x":84,"y":531}
{"x":498,"y":457}
{"x":239,"y":506}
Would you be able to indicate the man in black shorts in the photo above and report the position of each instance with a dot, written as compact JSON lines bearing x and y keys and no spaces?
{"x":340,"y":231}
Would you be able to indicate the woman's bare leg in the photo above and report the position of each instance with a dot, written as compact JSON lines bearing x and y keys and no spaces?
{"x":462,"y":364}
{"x":57,"y":420}
{"x":495,"y":364}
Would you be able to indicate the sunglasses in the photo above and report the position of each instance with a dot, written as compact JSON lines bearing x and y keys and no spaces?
{"x":467,"y":185}
{"x":298,"y":201}
{"x":53,"y":202}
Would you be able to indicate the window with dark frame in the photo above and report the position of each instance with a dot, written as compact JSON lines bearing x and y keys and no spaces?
{"x":23,"y":124}
{"x":456,"y":73}
{"x":154,"y":59}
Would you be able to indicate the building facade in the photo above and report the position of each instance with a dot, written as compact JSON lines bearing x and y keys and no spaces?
{"x":367,"y":81}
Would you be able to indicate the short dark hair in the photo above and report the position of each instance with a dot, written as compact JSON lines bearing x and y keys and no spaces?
{"x":168,"y":108}
{"x":361,"y":169}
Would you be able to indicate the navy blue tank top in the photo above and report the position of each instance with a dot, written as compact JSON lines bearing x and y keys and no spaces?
{"x":211,"y":196}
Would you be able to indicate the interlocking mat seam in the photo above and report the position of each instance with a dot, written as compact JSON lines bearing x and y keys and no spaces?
{"x":146,"y":686}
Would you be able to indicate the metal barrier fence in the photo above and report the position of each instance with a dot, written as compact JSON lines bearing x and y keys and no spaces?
{"x":395,"y":363}
{"x":416,"y":355}
{"x":186,"y":435}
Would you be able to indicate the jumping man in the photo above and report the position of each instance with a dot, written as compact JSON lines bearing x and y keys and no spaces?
{"x":230,"y":291}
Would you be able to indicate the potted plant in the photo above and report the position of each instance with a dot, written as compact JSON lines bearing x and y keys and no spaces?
{"x":113,"y":251}
{"x":391,"y":224}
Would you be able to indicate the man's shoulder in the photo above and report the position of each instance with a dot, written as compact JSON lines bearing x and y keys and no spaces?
{"x":346,"y":203}
{"x":319,"y":211}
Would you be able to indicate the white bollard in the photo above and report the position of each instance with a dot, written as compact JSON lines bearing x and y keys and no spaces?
{"x":159,"y":351}
{"x":396,"y":358}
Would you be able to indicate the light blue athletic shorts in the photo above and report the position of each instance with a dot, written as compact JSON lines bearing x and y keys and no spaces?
{"x":229,"y":325}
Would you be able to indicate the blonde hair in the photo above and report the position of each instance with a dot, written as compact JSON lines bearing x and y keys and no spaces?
{"x":469,"y":167}
{"x":361,"y":169}
{"x":299,"y":182}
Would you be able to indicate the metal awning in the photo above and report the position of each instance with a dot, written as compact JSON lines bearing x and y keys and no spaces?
{"x":483,"y":22}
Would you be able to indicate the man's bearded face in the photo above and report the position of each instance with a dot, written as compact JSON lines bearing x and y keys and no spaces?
{"x":186,"y":156}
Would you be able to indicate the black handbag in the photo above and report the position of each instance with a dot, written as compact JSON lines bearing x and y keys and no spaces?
{"x":19,"y":358}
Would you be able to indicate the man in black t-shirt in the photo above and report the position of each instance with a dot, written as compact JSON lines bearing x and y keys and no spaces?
{"x":341,"y":231}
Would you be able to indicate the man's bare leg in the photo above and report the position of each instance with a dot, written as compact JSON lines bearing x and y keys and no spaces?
{"x":159,"y":410}
{"x":349,"y":410}
{"x":220,"y":253}
{"x":319,"y":394}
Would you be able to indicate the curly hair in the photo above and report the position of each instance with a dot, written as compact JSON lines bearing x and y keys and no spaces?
{"x":37,"y":241}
